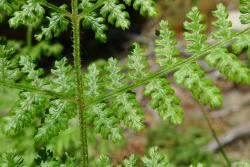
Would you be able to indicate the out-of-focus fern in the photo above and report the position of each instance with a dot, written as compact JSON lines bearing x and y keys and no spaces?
{"x":153,"y":159}
{"x":245,"y":10}
{"x":11,"y":159}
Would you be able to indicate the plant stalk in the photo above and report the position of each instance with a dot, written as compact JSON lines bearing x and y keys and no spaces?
{"x":29,"y":36}
{"x":223,"y":153}
{"x":79,"y":82}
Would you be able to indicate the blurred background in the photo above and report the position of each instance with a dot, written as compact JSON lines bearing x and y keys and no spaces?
{"x":185,"y":144}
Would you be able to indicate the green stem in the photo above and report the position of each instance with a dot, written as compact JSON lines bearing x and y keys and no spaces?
{"x":79,"y":82}
{"x":55,"y":8}
{"x":36,"y":90}
{"x":29,"y":36}
{"x":93,"y":8}
{"x":223,"y":153}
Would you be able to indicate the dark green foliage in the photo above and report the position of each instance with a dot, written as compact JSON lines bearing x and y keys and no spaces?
{"x":10,"y":159}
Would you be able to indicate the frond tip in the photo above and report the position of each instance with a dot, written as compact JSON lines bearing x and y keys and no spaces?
{"x":155,"y":158}
{"x":146,"y":7}
{"x":115,"y":13}
{"x":165,"y":50}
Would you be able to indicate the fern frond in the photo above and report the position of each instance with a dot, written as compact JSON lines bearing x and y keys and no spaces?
{"x":31,"y":105}
{"x":92,"y":87}
{"x":103,"y":161}
{"x":229,"y":65}
{"x":63,"y":78}
{"x":9,"y":159}
{"x":245,"y":10}
{"x":31,"y":13}
{"x":129,"y":110}
{"x":60,"y":113}
{"x":97,"y":25}
{"x":222,"y":24}
{"x":242,"y":42}
{"x":226,"y":62}
{"x":130,"y":162}
{"x":164,"y":101}
{"x":57,"y":24}
{"x":165,"y":51}
{"x":146,"y":7}
{"x":8,"y":7}
{"x":33,"y":75}
{"x":9,"y":70}
{"x":104,"y":121}
{"x":196,"y":28}
{"x":115,"y":77}
{"x":155,"y":159}
{"x":203,"y":90}
{"x":125,"y":104}
{"x":115,"y":13}
{"x":137,"y":63}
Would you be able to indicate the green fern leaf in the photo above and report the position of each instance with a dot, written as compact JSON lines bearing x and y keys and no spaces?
{"x":103,"y":161}
{"x":229,"y":65}
{"x":57,"y":24}
{"x":10,"y":159}
{"x":222,"y":24}
{"x":59,"y":114}
{"x":115,"y":13}
{"x":242,"y":42}
{"x":125,"y":104}
{"x":92,"y":83}
{"x":104,"y":121}
{"x":146,"y":7}
{"x":245,"y":10}
{"x":155,"y":159}
{"x":195,"y":37}
{"x":164,"y":101}
{"x":9,"y":70}
{"x":129,"y":110}
{"x":130,"y":162}
{"x":115,"y":77}
{"x":31,"y":105}
{"x":97,"y":25}
{"x":31,"y":13}
{"x":203,"y":90}
{"x":137,"y":63}
{"x":63,"y":78}
{"x":165,"y":51}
